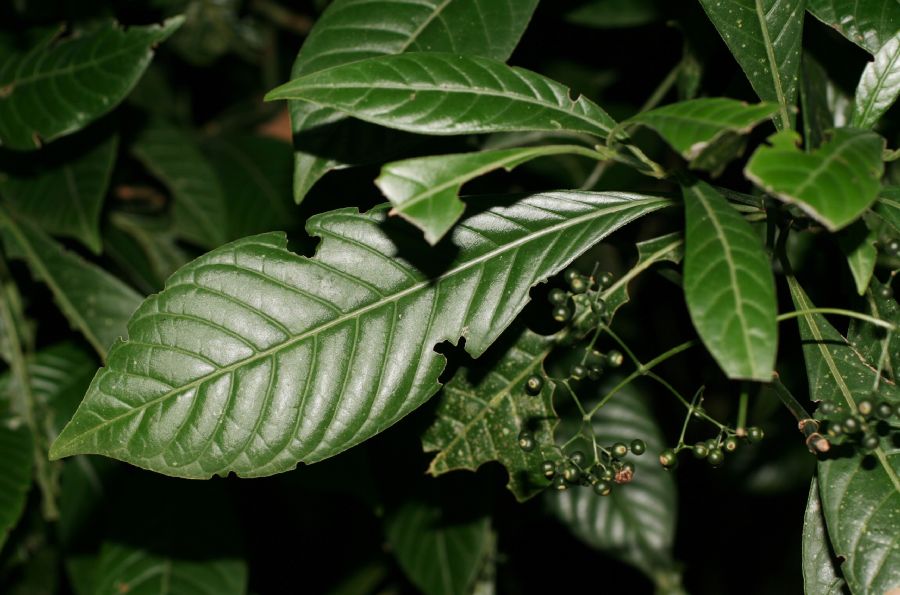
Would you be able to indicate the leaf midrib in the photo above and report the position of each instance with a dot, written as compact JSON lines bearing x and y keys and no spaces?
{"x":260,"y":355}
{"x":773,"y":65}
{"x":879,"y":82}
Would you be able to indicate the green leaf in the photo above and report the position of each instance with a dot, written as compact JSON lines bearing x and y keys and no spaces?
{"x":440,"y":553}
{"x":52,"y":91}
{"x":145,"y":247}
{"x":878,"y":86}
{"x":324,"y":352}
{"x":869,"y":24}
{"x":857,"y":243}
{"x":691,"y":127}
{"x":61,"y":191}
{"x":860,"y":493}
{"x":765,"y":38}
{"x":474,"y":27}
{"x":834,"y":184}
{"x":636,"y":522}
{"x":435,"y":93}
{"x":729,"y":286}
{"x":868,"y":339}
{"x":425,"y":190}
{"x":173,"y":156}
{"x":614,"y":14}
{"x":95,"y":303}
{"x":820,"y":569}
{"x":888,"y":207}
{"x":665,"y":248}
{"x":15,"y":475}
{"x":824,"y":104}
{"x":478,"y":420}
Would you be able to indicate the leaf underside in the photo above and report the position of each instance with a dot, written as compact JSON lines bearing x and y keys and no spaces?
{"x":323,"y":352}
{"x":878,"y":86}
{"x":820,"y":569}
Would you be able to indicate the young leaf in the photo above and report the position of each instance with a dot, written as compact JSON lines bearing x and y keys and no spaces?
{"x":472,"y":27}
{"x":63,"y":192}
{"x":52,"y":91}
{"x":868,"y":24}
{"x":820,"y":569}
{"x":635,"y":523}
{"x":764,"y":36}
{"x":322,"y":352}
{"x":424,"y":191}
{"x":478,"y":423}
{"x":15,"y":475}
{"x":439,"y":555}
{"x":878,"y":86}
{"x":614,"y":14}
{"x":95,"y":302}
{"x":691,"y":127}
{"x":868,"y":339}
{"x":834,"y":184}
{"x":729,"y":286}
{"x":860,"y":493}
{"x":435,"y":93}
{"x":857,"y":243}
{"x":199,"y":202}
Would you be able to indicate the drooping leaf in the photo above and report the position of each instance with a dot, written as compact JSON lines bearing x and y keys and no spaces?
{"x":63,"y":193}
{"x":823,"y":104}
{"x":728,"y":286}
{"x":614,"y":14}
{"x":15,"y":474}
{"x":480,"y":422}
{"x":860,"y":493}
{"x":878,"y":86}
{"x":691,"y":127}
{"x":635,"y":523}
{"x":857,"y":243}
{"x":665,"y":248}
{"x":834,"y":184}
{"x":437,"y":93}
{"x":868,"y":23}
{"x":888,"y":207}
{"x":325,"y":140}
{"x":95,"y":303}
{"x":439,"y":554}
{"x":424,"y":190}
{"x":820,"y":569}
{"x":327,"y":351}
{"x":173,"y":156}
{"x":51,"y":91}
{"x":868,"y":339}
{"x":764,"y":36}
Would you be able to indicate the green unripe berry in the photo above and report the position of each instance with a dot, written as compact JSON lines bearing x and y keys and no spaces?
{"x":869,"y":442}
{"x":851,"y":425}
{"x":755,"y":434}
{"x":578,"y":458}
{"x":711,"y":444}
{"x":602,"y":488}
{"x":893,"y":247}
{"x":562,"y":313}
{"x":619,"y":450}
{"x":571,"y":273}
{"x":557,"y":297}
{"x":559,"y":483}
{"x":886,"y":292}
{"x":572,"y":474}
{"x":700,"y":450}
{"x":614,"y":358}
{"x":578,"y":285}
{"x":606,"y":279}
{"x":534,"y":384}
{"x":668,"y":459}
{"x":835,"y":429}
{"x":526,"y":441}
{"x":826,"y":408}
{"x":638,"y":446}
{"x":607,"y":475}
{"x":865,"y":407}
{"x":595,"y":372}
{"x":731,"y":444}
{"x":884,"y":410}
{"x":716,"y":457}
{"x":548,"y":468}
{"x":578,"y":372}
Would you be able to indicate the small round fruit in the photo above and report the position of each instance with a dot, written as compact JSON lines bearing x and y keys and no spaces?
{"x":572,"y":474}
{"x":578,"y":285}
{"x":865,"y":407}
{"x":668,"y":459}
{"x":731,"y":444}
{"x":886,"y":292}
{"x":534,"y":384}
{"x":526,"y":441}
{"x":700,"y":450}
{"x":869,"y":442}
{"x":851,"y":425}
{"x":711,"y":444}
{"x":893,"y":247}
{"x":638,"y":446}
{"x":559,"y":483}
{"x":607,"y":474}
{"x":562,"y":313}
{"x":595,"y":358}
{"x":602,"y":488}
{"x":826,"y":408}
{"x":619,"y":450}
{"x":598,"y":307}
{"x":548,"y":468}
{"x":606,"y":279}
{"x":614,"y":358}
{"x":570,"y":274}
{"x":557,"y":297}
{"x":884,"y":410}
{"x":578,"y":372}
{"x":716,"y":457}
{"x":835,"y":429}
{"x":578,"y":458}
{"x":755,"y":434}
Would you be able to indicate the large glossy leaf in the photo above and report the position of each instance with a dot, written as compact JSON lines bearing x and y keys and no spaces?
{"x":867,"y":23}
{"x":322,"y":352}
{"x":52,"y":91}
{"x":95,"y":303}
{"x":868,"y":339}
{"x":636,"y":522}
{"x":820,"y":569}
{"x":834,"y":184}
{"x":440,"y":554}
{"x":15,"y":475}
{"x":438,"y":93}
{"x":63,"y":193}
{"x":857,"y":243}
{"x":692,"y":127}
{"x":479,"y":420}
{"x":879,"y":85}
{"x":764,"y":36}
{"x":424,"y":191}
{"x":473,"y":27}
{"x":173,"y":156}
{"x":860,"y":493}
{"x":729,"y":286}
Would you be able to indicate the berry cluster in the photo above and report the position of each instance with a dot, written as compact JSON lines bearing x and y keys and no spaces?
{"x":712,"y":450}
{"x":859,"y":427}
{"x":582,"y":302}
{"x":608,"y":468}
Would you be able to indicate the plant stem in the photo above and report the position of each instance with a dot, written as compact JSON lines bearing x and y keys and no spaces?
{"x":789,"y":401}
{"x":742,"y":410}
{"x":698,"y":396}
